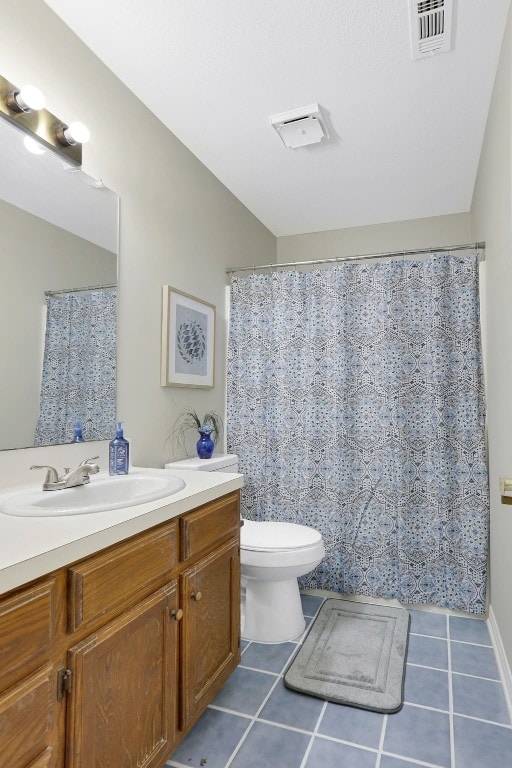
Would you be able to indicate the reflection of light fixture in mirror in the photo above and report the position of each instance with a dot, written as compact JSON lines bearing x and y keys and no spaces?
{"x":33,"y":146}
{"x":72,"y":134}
{"x":23,"y":107}
{"x":27,"y":99}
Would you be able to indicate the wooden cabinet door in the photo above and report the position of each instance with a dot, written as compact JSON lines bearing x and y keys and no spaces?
{"x":122,"y":708}
{"x":210,"y":598}
{"x":29,"y":722}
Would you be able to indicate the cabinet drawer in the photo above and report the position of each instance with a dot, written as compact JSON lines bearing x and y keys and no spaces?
{"x":27,"y":629}
{"x":28,"y":720}
{"x":106,"y":584}
{"x":208,"y":525}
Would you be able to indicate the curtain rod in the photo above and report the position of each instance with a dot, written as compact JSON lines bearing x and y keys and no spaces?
{"x":388,"y":255}
{"x":80,"y":290}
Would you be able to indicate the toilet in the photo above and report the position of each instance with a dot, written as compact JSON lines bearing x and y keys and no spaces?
{"x":272,"y":557}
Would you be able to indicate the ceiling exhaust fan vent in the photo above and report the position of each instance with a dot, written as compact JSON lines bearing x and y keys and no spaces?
{"x":300,"y":127}
{"x":431,"y":27}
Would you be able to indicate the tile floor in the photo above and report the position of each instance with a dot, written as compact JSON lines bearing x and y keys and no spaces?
{"x":454,"y":714}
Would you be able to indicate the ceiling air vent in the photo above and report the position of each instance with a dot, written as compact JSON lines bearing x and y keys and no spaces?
{"x":300,"y":127}
{"x":431,"y":27}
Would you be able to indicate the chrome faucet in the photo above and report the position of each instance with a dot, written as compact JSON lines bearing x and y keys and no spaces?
{"x":70,"y":478}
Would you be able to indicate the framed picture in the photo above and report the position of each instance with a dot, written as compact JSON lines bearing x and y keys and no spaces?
{"x":188,"y":340}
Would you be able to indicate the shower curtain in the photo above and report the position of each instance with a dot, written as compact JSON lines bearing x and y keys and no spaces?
{"x":79,"y":367}
{"x":356,"y":406}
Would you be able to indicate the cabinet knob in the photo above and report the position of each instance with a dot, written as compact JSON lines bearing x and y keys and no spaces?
{"x":177,"y":613}
{"x":196,"y":596}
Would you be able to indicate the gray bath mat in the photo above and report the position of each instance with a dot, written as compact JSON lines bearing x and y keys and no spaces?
{"x":354,"y":654}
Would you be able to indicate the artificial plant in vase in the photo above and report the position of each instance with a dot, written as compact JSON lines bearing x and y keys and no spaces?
{"x":209,"y":428}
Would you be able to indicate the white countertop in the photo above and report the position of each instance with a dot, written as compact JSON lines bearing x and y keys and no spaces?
{"x":31,"y":547}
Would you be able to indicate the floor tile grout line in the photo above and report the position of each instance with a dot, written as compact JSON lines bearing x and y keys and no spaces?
{"x":250,"y":726}
{"x":469,"y":642}
{"x":455,"y":714}
{"x":430,"y":637}
{"x":461,"y":642}
{"x":410,"y":663}
{"x":381,"y":740}
{"x":237,"y":748}
{"x":425,"y":666}
{"x":450,"y":698}
{"x":507,"y":726}
{"x":258,"y":669}
{"x":355,"y":745}
{"x":253,"y":720}
{"x":304,"y":731}
{"x":313,"y":735}
{"x":426,"y":706}
{"x":455,"y":672}
{"x":411,"y":760}
{"x":286,"y":727}
{"x":477,"y":677}
{"x":228,"y":711}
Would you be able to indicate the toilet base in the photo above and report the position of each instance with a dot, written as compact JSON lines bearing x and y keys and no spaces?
{"x":272,"y":611}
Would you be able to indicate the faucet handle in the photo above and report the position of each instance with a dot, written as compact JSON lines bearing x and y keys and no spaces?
{"x":51,"y":475}
{"x":86,"y":461}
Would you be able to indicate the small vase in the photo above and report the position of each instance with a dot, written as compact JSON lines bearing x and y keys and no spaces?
{"x":205,"y":444}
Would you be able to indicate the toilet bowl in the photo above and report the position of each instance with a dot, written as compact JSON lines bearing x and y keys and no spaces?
{"x":272,"y":557}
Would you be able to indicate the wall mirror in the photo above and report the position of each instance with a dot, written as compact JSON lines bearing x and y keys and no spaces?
{"x":58,"y":231}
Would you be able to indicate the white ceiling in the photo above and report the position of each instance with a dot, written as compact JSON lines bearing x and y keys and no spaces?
{"x":405,"y":135}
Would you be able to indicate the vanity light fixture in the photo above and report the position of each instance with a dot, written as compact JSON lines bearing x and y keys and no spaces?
{"x":73,"y":134}
{"x":27,"y":99}
{"x":24,"y":107}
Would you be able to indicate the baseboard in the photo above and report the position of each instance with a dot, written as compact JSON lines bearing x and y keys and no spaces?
{"x":501,"y":658}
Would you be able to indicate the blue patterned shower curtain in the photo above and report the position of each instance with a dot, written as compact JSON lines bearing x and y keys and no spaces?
{"x":356,"y":406}
{"x":79,"y":367}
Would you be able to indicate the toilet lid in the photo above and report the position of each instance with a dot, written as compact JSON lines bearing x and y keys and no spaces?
{"x":274,"y":537}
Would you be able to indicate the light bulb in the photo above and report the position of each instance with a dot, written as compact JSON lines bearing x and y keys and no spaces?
{"x":30,"y":98}
{"x":33,"y":146}
{"x":76,"y":133}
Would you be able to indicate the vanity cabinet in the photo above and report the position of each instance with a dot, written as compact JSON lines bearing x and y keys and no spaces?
{"x":31,"y":718}
{"x":111,"y":660}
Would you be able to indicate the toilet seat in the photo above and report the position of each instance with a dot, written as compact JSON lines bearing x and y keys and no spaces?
{"x":268,"y":536}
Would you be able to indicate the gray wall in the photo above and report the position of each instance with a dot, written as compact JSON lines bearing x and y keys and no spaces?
{"x":179,"y":224}
{"x":397,"y":235}
{"x":491,"y":221}
{"x":35,"y":257}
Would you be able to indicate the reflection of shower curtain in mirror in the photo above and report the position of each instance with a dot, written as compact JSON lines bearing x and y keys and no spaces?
{"x":79,"y":367}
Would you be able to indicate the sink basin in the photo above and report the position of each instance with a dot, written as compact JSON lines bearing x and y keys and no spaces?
{"x":99,"y":495}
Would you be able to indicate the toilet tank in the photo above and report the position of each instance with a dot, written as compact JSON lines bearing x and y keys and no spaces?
{"x":223,"y":462}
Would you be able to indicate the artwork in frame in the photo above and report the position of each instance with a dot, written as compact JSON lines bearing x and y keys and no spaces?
{"x":188,"y":340}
